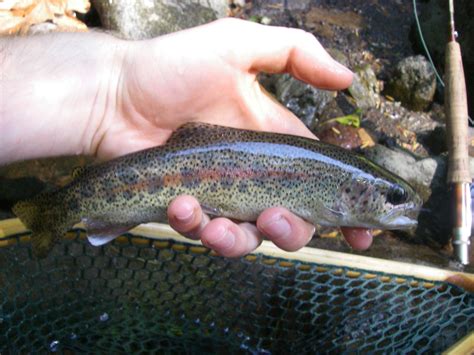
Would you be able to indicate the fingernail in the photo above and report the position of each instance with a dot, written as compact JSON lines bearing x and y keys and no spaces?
{"x":342,"y":68}
{"x":277,"y":228}
{"x":185,"y":214}
{"x":313,"y":231}
{"x":224,"y":239}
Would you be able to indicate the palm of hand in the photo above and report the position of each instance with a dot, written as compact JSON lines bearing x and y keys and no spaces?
{"x":206,"y":75}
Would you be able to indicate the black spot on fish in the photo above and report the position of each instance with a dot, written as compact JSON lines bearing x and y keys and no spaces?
{"x":287,"y":184}
{"x":258,"y":167}
{"x":243,"y":186}
{"x":110,"y":196}
{"x":108,"y":183}
{"x":127,"y":194}
{"x":128,"y":176}
{"x":88,"y":190}
{"x":155,"y":184}
{"x":227,"y":181}
{"x":189,"y":178}
{"x":72,"y":204}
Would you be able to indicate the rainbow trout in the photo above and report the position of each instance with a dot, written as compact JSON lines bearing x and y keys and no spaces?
{"x":233,"y":173}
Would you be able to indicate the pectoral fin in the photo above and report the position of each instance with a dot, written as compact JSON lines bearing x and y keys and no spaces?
{"x":100,"y":233}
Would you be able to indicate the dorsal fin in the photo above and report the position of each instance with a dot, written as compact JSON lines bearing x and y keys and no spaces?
{"x":77,"y":171}
{"x":191,"y":129}
{"x":198,"y":134}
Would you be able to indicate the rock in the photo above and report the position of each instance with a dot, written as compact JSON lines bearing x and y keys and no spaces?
{"x":343,"y":105}
{"x":298,"y":5}
{"x":428,"y":177}
{"x":339,"y":56}
{"x":396,"y":126}
{"x":14,"y":190}
{"x":304,"y":100}
{"x":365,"y":87}
{"x":341,"y":135}
{"x":151,"y":18}
{"x":434,"y":140}
{"x":413,"y":83}
{"x":437,"y":113}
{"x":419,"y":173}
{"x":24,"y":179}
{"x":53,"y":171}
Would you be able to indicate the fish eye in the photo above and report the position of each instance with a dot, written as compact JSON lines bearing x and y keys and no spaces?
{"x":396,"y":195}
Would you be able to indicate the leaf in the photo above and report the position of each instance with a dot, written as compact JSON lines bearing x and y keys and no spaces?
{"x":350,"y":120}
{"x":20,"y":16}
{"x":69,"y":24}
{"x":78,"y":6}
{"x":16,"y":4}
{"x":365,"y":138}
{"x":255,"y":18}
{"x":9,"y":24}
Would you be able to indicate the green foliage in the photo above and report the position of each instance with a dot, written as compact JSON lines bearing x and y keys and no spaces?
{"x":350,"y":120}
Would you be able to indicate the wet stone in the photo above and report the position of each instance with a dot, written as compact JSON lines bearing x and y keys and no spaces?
{"x":104,"y":317}
{"x":304,"y":100}
{"x":340,"y":135}
{"x":147,"y":19}
{"x":413,"y":83}
{"x":365,"y":87}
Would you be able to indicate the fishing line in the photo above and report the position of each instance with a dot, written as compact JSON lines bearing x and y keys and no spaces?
{"x":427,"y":52}
{"x":422,"y":39}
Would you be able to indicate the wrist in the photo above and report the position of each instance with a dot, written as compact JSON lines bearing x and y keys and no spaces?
{"x":104,"y":92}
{"x":58,"y":92}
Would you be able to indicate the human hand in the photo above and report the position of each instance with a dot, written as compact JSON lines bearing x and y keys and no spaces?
{"x":93,"y":94}
{"x":227,"y":238}
{"x":201,"y":75}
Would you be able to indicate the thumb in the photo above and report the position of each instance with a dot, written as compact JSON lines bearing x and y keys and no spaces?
{"x":280,"y":119}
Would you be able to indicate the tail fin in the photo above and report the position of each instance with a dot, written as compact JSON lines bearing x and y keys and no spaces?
{"x":44,"y":220}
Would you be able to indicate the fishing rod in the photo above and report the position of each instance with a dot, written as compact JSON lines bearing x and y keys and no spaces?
{"x":459,"y":177}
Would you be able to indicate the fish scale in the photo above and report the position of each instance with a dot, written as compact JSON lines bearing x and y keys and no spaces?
{"x":233,"y":173}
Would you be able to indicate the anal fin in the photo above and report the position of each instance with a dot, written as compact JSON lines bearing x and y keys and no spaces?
{"x":212,"y":211}
{"x":100,"y":233}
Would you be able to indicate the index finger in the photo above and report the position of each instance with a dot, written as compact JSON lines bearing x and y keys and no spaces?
{"x":279,"y":49}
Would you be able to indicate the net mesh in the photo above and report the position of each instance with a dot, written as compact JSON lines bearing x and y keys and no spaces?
{"x":139,"y":295}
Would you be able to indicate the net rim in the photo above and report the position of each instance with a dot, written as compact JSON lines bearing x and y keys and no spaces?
{"x":158,"y":231}
{"x":465,"y":345}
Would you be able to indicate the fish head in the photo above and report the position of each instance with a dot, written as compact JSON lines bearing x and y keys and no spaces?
{"x":383,"y":202}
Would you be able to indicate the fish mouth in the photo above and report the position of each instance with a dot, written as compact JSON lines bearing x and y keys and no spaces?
{"x":402,"y":217}
{"x":400,"y":222}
